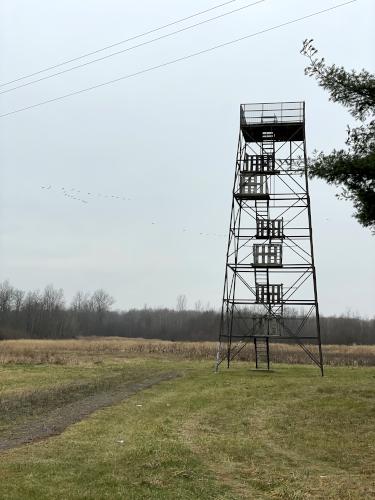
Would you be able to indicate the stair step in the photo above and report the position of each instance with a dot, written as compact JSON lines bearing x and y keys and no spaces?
{"x":261,"y":352}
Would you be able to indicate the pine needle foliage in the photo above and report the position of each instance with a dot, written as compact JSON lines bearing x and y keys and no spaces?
{"x":352,"y":167}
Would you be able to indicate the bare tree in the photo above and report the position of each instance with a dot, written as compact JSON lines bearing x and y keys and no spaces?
{"x":32,"y":307}
{"x":181,"y":302}
{"x":198,"y":306}
{"x":52,"y":320}
{"x":101,"y":301}
{"x":6,"y":295}
{"x":80,"y":315}
{"x":18,"y":296}
{"x":53,"y":299}
{"x":80,"y":302}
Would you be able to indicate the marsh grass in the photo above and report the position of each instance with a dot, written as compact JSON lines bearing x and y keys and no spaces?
{"x":96,"y":349}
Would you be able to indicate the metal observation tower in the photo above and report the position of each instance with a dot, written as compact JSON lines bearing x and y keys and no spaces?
{"x":270,"y":292}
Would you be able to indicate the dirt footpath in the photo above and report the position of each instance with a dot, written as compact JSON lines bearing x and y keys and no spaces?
{"x":57,"y":420}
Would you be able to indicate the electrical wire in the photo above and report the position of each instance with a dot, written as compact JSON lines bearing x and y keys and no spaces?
{"x":132,"y":47}
{"x":87,"y":54}
{"x":173,"y":61}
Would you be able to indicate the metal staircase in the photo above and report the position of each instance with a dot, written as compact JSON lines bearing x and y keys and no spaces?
{"x":268,"y":143}
{"x":262,"y":353}
{"x":262,"y":209}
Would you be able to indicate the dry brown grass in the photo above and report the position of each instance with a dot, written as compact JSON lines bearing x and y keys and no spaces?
{"x":97,"y":349}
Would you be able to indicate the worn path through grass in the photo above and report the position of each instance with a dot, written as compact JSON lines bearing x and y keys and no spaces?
{"x":37,"y":401}
{"x":239,"y":434}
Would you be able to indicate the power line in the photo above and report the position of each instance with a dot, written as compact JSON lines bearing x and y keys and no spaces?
{"x":132,"y":47}
{"x":173,"y":61}
{"x":87,"y":54}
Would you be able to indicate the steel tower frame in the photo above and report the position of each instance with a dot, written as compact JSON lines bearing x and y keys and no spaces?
{"x":270,"y":290}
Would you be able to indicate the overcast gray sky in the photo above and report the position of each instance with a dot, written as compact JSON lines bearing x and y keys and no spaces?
{"x":166,"y":142}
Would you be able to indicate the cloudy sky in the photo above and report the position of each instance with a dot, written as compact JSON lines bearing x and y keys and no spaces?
{"x":153,"y":155}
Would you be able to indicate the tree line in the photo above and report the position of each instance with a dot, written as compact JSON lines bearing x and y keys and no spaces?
{"x":45,"y":314}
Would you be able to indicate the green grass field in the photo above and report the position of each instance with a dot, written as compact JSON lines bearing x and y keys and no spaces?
{"x":238,"y":434}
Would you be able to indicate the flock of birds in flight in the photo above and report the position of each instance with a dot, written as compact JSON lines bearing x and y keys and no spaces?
{"x":77,"y":195}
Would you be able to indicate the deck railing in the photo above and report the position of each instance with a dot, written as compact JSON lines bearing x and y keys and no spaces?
{"x":272,"y":112}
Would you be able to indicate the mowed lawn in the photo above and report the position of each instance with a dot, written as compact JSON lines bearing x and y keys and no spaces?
{"x":238,"y":434}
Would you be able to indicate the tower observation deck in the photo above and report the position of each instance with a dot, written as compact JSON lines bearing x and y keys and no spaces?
{"x":270,"y":289}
